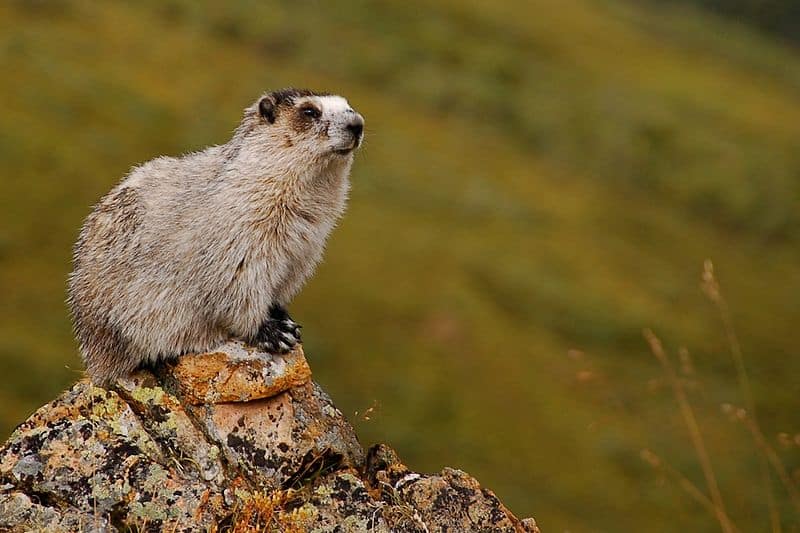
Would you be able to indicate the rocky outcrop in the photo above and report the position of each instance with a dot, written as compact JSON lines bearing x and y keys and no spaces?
{"x":234,"y":440}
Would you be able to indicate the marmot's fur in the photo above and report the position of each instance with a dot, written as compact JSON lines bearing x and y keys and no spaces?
{"x":188,"y":252}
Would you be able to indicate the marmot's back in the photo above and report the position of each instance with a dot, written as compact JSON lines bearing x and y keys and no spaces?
{"x":187,"y":252}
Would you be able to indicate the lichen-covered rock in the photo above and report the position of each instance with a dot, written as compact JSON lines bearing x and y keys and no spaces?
{"x":277,"y":440}
{"x":19,"y":514}
{"x":166,"y":421}
{"x":90,"y":452}
{"x":233,"y":374}
{"x":449,"y":501}
{"x":234,"y":439}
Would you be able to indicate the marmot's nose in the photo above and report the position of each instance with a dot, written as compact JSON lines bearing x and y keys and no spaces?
{"x":356,"y":126}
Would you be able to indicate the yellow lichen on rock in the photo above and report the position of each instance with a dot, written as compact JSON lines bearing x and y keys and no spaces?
{"x":236,"y":374}
{"x":234,"y":439}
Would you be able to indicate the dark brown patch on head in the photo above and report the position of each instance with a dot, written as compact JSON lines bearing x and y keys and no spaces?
{"x":287,"y":141}
{"x":281,"y":101}
{"x":304,"y":116}
{"x":266,"y":108}
{"x":290,"y":94}
{"x":309,"y":110}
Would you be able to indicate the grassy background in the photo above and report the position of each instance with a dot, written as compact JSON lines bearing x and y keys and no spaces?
{"x":538,"y":185}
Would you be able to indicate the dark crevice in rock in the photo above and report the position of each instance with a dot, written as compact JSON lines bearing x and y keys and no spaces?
{"x":226,"y":524}
{"x":166,"y":380}
{"x":314,"y":466}
{"x":141,"y":417}
{"x":46,"y":499}
{"x":118,"y":516}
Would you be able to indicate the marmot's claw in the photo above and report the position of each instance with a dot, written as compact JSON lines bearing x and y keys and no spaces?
{"x":275,"y":347}
{"x":291,"y":327}
{"x":277,"y":336}
{"x":289,"y":338}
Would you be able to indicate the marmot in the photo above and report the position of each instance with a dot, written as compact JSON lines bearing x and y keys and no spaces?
{"x":185,"y":253}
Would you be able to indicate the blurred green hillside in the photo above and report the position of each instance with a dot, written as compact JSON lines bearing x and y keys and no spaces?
{"x":540,"y":182}
{"x":778,"y":17}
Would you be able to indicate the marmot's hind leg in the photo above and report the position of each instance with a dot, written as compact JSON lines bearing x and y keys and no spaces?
{"x":106,"y":353}
{"x":278,"y":333}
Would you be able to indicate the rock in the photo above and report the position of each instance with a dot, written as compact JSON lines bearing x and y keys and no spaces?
{"x":20,"y":514}
{"x":231,"y":440}
{"x":232,"y":374}
{"x":278,"y":440}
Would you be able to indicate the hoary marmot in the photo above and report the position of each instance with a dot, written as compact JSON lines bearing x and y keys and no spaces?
{"x":185,"y":253}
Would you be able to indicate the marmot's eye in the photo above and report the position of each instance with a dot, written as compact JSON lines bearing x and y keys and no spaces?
{"x":312,"y":112}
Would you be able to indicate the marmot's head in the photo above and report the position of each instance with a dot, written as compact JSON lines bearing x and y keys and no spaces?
{"x":303,"y":126}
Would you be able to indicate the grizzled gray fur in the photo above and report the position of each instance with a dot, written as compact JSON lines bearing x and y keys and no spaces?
{"x":187,"y":252}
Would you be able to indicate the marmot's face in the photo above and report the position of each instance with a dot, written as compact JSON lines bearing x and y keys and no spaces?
{"x":314,"y":124}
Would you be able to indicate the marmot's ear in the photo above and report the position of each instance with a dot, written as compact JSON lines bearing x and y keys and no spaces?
{"x":266,"y":108}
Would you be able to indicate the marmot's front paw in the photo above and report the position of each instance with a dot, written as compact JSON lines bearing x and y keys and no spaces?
{"x":277,"y":335}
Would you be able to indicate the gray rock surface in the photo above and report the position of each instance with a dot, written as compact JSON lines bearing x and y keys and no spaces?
{"x":233,"y":440}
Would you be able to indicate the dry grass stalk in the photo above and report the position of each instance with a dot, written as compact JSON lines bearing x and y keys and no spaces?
{"x":769,"y":453}
{"x":683,"y":482}
{"x":713,"y":290}
{"x":266,"y":512}
{"x":694,"y":431}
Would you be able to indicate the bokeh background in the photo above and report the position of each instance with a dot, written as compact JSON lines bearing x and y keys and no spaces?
{"x":540,"y":182}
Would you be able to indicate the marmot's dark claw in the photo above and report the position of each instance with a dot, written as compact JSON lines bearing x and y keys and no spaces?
{"x":284,"y":322}
{"x":291,"y":327}
{"x":277,"y":336}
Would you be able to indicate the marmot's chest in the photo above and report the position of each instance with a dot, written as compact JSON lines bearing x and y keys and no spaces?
{"x":300,"y":232}
{"x":298,"y":227}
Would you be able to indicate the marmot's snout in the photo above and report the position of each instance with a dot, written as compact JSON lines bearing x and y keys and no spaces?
{"x":352,"y":132}
{"x":356,"y":128}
